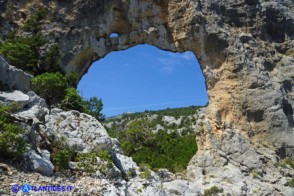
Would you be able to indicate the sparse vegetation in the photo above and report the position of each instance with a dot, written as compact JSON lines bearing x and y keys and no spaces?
{"x":53,"y":87}
{"x":160,"y":150}
{"x":213,"y":191}
{"x":33,"y":23}
{"x":145,"y":171}
{"x":61,"y":159}
{"x":286,"y":161}
{"x":50,"y":86}
{"x":289,"y":162}
{"x":128,"y":175}
{"x":52,"y":61}
{"x":23,"y":52}
{"x":72,"y":100}
{"x":175,"y":112}
{"x":88,"y":161}
{"x":93,"y":107}
{"x":72,"y":79}
{"x":290,"y":183}
{"x":254,"y":173}
{"x":12,"y":143}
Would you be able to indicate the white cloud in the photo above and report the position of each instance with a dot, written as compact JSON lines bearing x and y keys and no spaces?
{"x":167,"y":70}
{"x":169,"y":61}
{"x":189,"y":56}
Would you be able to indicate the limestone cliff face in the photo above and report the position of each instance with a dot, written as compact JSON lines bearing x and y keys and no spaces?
{"x":245,"y":49}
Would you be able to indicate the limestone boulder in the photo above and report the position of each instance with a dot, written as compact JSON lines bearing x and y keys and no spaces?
{"x":79,"y":130}
{"x":17,"y":97}
{"x":125,"y":164}
{"x":12,"y":78}
{"x":39,"y":162}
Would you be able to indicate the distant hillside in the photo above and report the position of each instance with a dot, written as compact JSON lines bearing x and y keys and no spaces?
{"x":183,"y":120}
{"x":158,"y":139}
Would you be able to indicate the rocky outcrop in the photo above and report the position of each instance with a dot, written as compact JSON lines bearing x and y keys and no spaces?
{"x":180,"y":120}
{"x":80,"y":130}
{"x":38,"y":162}
{"x":12,"y":78}
{"x":245,"y":49}
{"x":16,"y":96}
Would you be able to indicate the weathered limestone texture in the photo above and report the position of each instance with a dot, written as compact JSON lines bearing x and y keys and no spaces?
{"x":245,"y":49}
{"x":12,"y":78}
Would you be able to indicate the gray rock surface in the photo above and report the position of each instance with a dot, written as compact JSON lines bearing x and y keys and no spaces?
{"x":80,"y":130}
{"x":36,"y":100}
{"x":39,"y":162}
{"x":12,"y":78}
{"x":16,"y":96}
{"x":125,"y":164}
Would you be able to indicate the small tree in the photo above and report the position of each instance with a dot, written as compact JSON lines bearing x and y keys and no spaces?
{"x":94,"y":107}
{"x":72,"y":79}
{"x":72,"y":100}
{"x":50,"y":86}
{"x":52,"y":59}
{"x":12,"y":143}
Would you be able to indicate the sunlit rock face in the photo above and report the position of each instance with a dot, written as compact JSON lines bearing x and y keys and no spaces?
{"x":245,"y":49}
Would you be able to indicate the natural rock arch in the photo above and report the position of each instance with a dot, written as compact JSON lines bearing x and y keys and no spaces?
{"x":245,"y":73}
{"x":245,"y":49}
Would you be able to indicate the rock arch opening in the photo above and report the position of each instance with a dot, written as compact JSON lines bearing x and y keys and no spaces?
{"x":151,"y":97}
{"x":113,"y":35}
{"x":144,"y":77}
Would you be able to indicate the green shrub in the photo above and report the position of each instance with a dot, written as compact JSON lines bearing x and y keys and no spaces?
{"x":160,"y":150}
{"x":212,"y":191}
{"x":33,"y":24}
{"x":289,"y":162}
{"x":50,"y":86}
{"x":12,"y":144}
{"x":72,"y":79}
{"x":20,"y":55}
{"x":23,"y":52}
{"x":104,"y":155}
{"x":139,"y":191}
{"x":130,"y":174}
{"x":254,"y":173}
{"x":72,"y":100}
{"x":13,"y":107}
{"x":88,"y":161}
{"x":145,"y":171}
{"x":61,"y":159}
{"x":290,"y":183}
{"x":52,"y":62}
{"x":94,"y":107}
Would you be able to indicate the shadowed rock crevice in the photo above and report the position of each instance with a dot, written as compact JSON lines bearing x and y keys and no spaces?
{"x":288,"y":110}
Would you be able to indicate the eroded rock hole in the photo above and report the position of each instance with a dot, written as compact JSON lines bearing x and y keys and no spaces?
{"x":113,"y":35}
{"x":152,"y":98}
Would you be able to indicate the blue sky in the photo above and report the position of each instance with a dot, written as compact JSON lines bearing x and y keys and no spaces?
{"x":144,"y":78}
